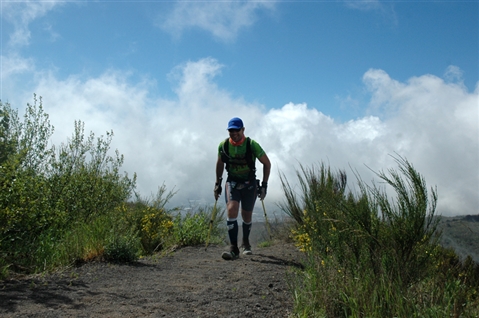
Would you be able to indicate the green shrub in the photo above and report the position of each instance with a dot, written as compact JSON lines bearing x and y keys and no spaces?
{"x":192,"y":228}
{"x":46,"y":193}
{"x":85,"y":181}
{"x":152,"y":224}
{"x":122,"y":248}
{"x":150,"y":219}
{"x":371,"y":255}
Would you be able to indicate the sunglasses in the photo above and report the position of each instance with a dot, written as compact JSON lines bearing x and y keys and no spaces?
{"x":233,"y":130}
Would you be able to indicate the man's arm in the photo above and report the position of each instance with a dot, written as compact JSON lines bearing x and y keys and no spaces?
{"x":266,"y":167}
{"x":219,"y":173}
{"x":220,"y":167}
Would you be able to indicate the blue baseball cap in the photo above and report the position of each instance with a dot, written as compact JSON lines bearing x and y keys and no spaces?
{"x":235,"y":123}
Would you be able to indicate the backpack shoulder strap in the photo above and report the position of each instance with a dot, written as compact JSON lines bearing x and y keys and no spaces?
{"x":225,"y":156}
{"x":249,"y":155}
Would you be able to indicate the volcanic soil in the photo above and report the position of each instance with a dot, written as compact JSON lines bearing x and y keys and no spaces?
{"x":187,"y":282}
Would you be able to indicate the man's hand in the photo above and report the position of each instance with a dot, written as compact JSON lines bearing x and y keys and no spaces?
{"x":262,"y":190}
{"x":217,"y":190}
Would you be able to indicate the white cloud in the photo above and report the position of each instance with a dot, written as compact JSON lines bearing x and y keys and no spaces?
{"x":53,"y":35}
{"x":223,"y":19}
{"x":14,"y":64}
{"x":365,"y":5}
{"x":435,"y":125}
{"x":453,"y":74}
{"x":12,"y":68}
{"x":432,"y":123}
{"x":384,"y":8}
{"x":21,"y":14}
{"x":171,"y":141}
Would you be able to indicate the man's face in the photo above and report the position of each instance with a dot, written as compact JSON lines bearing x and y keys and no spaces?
{"x":236,"y":134}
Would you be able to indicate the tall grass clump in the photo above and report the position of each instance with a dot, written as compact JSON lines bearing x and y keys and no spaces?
{"x":372,"y":255}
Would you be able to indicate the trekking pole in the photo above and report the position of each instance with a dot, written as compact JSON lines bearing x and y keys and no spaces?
{"x":213,"y":216}
{"x":266,"y":219}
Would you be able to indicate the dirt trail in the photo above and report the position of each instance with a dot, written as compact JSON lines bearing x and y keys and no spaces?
{"x":191,"y":282}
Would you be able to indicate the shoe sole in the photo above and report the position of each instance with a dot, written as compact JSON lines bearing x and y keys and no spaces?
{"x":247,"y":252}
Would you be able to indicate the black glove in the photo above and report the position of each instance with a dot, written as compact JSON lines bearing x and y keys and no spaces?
{"x":262,"y":190}
{"x":217,"y":190}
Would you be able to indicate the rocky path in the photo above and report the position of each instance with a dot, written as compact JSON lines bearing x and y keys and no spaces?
{"x":189,"y":282}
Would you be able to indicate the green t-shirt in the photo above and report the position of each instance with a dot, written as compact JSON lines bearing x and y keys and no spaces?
{"x":238,"y":167}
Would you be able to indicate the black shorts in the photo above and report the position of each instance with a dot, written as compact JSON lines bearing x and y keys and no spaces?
{"x":243,"y":192}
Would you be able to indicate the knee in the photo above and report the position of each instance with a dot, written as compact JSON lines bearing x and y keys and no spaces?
{"x":247,"y":216}
{"x":232,"y":210}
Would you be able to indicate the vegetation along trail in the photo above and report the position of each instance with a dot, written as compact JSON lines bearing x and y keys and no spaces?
{"x":365,"y":253}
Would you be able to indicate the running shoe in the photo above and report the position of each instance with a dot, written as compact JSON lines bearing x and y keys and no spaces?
{"x":232,"y":254}
{"x":247,"y":250}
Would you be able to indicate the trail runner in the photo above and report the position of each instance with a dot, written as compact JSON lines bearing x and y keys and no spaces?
{"x":238,"y":155}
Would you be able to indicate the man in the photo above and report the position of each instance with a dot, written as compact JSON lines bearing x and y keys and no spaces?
{"x":239,"y":154}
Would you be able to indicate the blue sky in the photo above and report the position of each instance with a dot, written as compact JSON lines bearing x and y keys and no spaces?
{"x":346,"y":82}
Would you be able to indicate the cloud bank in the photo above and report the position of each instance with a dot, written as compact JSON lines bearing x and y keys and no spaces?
{"x":431,"y":122}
